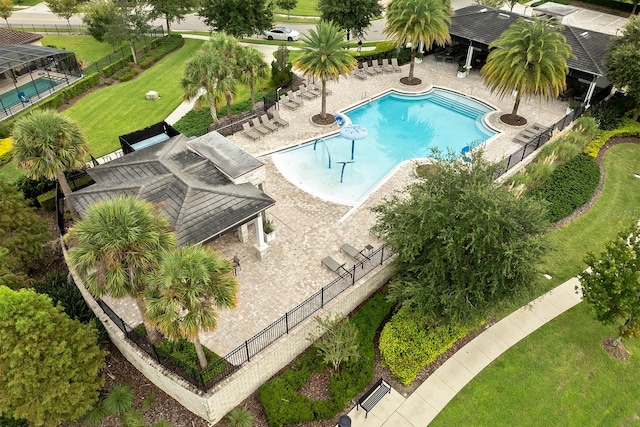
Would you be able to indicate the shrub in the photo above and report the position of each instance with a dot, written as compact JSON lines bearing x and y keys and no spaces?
{"x":5,"y":159}
{"x":570,"y":186}
{"x":194,"y":123}
{"x":114,"y":67}
{"x":541,"y":170}
{"x":239,"y":417}
{"x":5,"y":146}
{"x":70,"y":92}
{"x":279,"y":396}
{"x":606,"y":115}
{"x":338,"y":341}
{"x":47,"y":201}
{"x":185,"y":352}
{"x":588,"y":126}
{"x":382,"y":50}
{"x":628,"y":127}
{"x":407,"y":345}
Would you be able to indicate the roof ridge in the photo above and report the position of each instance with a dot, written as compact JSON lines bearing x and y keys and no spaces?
{"x":586,"y":51}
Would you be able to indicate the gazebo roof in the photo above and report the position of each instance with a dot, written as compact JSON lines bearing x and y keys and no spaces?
{"x":16,"y":55}
{"x":482,"y":25}
{"x":198,"y":198}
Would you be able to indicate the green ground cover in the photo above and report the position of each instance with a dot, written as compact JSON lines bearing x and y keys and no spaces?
{"x":303,"y":8}
{"x":86,"y":48}
{"x":112,"y":111}
{"x":560,"y":375}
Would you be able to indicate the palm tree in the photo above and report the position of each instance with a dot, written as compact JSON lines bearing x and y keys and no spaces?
{"x":227,"y":89}
{"x":201,"y":72}
{"x":189,"y":287}
{"x":252,"y":69}
{"x":117,"y":246}
{"x":46,"y":145}
{"x":416,"y":21}
{"x":530,"y":58}
{"x":325,"y":56}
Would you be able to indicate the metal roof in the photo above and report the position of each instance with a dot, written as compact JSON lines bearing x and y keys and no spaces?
{"x":15,"y":55}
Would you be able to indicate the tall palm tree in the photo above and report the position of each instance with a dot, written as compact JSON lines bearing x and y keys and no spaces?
{"x":252,"y":69}
{"x":46,"y":145}
{"x":226,"y":90}
{"x":416,"y":21}
{"x":116,"y":247}
{"x":189,"y":287}
{"x":530,"y":58}
{"x":325,"y":56}
{"x":201,"y":72}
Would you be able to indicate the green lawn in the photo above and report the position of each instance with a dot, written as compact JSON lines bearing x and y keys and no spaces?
{"x":86,"y":48}
{"x":112,"y":111}
{"x":560,"y":375}
{"x":303,"y":8}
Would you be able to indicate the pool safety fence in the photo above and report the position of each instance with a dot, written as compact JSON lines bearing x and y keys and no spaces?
{"x":67,"y":29}
{"x":222,"y":368}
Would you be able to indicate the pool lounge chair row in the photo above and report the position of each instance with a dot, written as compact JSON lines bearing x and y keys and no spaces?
{"x":263,"y":125}
{"x":358,"y":255}
{"x":376,"y":68}
{"x":530,"y":133}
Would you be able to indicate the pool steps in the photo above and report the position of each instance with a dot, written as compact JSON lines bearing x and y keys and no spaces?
{"x":455,"y":105}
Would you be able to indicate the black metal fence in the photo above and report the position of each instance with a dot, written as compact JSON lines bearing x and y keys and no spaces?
{"x":48,"y":28}
{"x":225,"y":366}
{"x":538,"y":141}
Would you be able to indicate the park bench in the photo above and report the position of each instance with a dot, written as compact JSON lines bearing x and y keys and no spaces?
{"x":373,"y":396}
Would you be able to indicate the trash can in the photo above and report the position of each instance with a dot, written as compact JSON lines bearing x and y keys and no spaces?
{"x":344,"y":421}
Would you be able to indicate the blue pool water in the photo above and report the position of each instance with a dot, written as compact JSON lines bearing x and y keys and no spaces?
{"x":30,"y":89}
{"x":400,"y":126}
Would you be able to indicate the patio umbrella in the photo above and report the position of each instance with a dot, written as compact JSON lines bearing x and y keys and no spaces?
{"x":353,"y":132}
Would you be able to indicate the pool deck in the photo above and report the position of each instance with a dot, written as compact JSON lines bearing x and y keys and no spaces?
{"x":309,"y":229}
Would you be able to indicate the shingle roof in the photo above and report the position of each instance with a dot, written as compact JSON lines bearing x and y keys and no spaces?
{"x":8,"y":37}
{"x":197,"y":198}
{"x":483,"y":25}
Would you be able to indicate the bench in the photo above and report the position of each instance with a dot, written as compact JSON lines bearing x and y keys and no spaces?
{"x":334,"y":265}
{"x":373,"y":396}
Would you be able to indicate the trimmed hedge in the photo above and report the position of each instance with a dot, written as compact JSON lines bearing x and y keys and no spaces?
{"x":570,"y":186}
{"x":407,"y":346}
{"x":116,"y":66}
{"x":160,"y":48}
{"x":382,"y":50}
{"x":627,"y":128}
{"x":279,"y":396}
{"x":194,"y":123}
{"x":70,"y":92}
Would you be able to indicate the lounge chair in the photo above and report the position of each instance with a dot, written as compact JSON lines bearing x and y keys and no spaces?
{"x":284,"y":100}
{"x":279,"y":120}
{"x":315,"y":89}
{"x":293,"y":99}
{"x":268,"y":123}
{"x":394,"y":64}
{"x":376,"y":66}
{"x":367,"y":70}
{"x":538,"y":126}
{"x":386,"y":67}
{"x":334,"y":265}
{"x":353,"y":252}
{"x":304,"y":93}
{"x":250,"y":132}
{"x":359,"y":74}
{"x":260,"y":127}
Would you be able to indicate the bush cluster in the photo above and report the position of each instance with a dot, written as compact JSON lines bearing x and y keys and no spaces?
{"x":280,"y":398}
{"x":407,"y":346}
{"x":570,"y":186}
{"x":194,"y":123}
{"x":628,"y":127}
{"x":185,"y":352}
{"x":382,"y":50}
{"x":125,"y":74}
{"x":115,"y":66}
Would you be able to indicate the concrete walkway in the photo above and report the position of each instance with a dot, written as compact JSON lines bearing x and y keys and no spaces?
{"x":421,"y":407}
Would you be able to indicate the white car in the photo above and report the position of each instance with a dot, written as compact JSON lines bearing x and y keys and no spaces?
{"x":282,"y":33}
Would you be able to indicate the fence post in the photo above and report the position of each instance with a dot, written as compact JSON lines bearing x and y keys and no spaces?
{"x":246,"y":347}
{"x":382,"y":255}
{"x":286,"y":321}
{"x":322,"y":297}
{"x":353,"y":276}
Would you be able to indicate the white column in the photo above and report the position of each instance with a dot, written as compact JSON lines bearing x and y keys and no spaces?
{"x":260,"y":243}
{"x":467,"y":64}
{"x":243,"y":233}
{"x":592,"y":88}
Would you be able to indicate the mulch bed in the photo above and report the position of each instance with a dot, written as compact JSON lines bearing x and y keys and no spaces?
{"x":513,"y":120}
{"x":410,"y":82}
{"x":329,"y":119}
{"x":618,"y":351}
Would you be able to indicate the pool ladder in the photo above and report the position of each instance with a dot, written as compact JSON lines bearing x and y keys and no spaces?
{"x":325,"y":147}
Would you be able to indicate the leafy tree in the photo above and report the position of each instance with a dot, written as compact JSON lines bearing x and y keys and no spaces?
{"x":325,"y":56}
{"x":419,"y":21}
{"x":530,"y":57}
{"x":287,"y":5}
{"x":238,"y":18}
{"x":49,"y":364}
{"x":6,"y":9}
{"x":611,"y":284}
{"x":495,"y":4}
{"x":117,"y":21}
{"x":63,"y":8}
{"x":22,"y":235}
{"x":171,"y":10}
{"x":337,"y":341}
{"x":353,"y":16}
{"x":189,"y":287}
{"x":464,"y":243}
{"x":117,"y":246}
{"x":252,"y":69}
{"x":281,"y":66}
{"x":624,"y":61}
{"x":47,"y":144}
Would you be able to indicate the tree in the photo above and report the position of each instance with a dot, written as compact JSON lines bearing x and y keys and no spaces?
{"x":116,"y":247}
{"x":611,"y":284}
{"x":63,"y":8}
{"x":624,"y":61}
{"x":287,"y":5}
{"x":237,"y":18}
{"x":49,"y":364}
{"x":22,"y":234}
{"x":117,"y":21}
{"x":530,"y":58}
{"x":464,"y":243}
{"x":419,"y":21}
{"x":337,"y":342}
{"x":252,"y":69}
{"x":171,"y":10}
{"x":281,"y":66}
{"x":353,"y":16}
{"x":227,"y":71}
{"x":6,"y":9}
{"x":495,"y":4}
{"x":325,"y":56}
{"x":47,"y":144}
{"x":189,"y":287}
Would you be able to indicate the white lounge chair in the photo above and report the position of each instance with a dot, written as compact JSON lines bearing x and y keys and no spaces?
{"x":376,"y":66}
{"x":284,"y":100}
{"x":279,"y":120}
{"x":367,"y":70}
{"x":304,"y":93}
{"x":394,"y":64}
{"x":386,"y":67}
{"x":268,"y":123}
{"x":250,"y":132}
{"x":359,"y":74}
{"x":292,"y":98}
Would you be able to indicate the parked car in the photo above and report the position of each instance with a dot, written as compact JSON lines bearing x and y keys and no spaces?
{"x":282,"y":33}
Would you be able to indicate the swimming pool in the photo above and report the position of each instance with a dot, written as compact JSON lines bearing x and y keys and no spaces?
{"x":400,"y":127}
{"x":30,"y":89}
